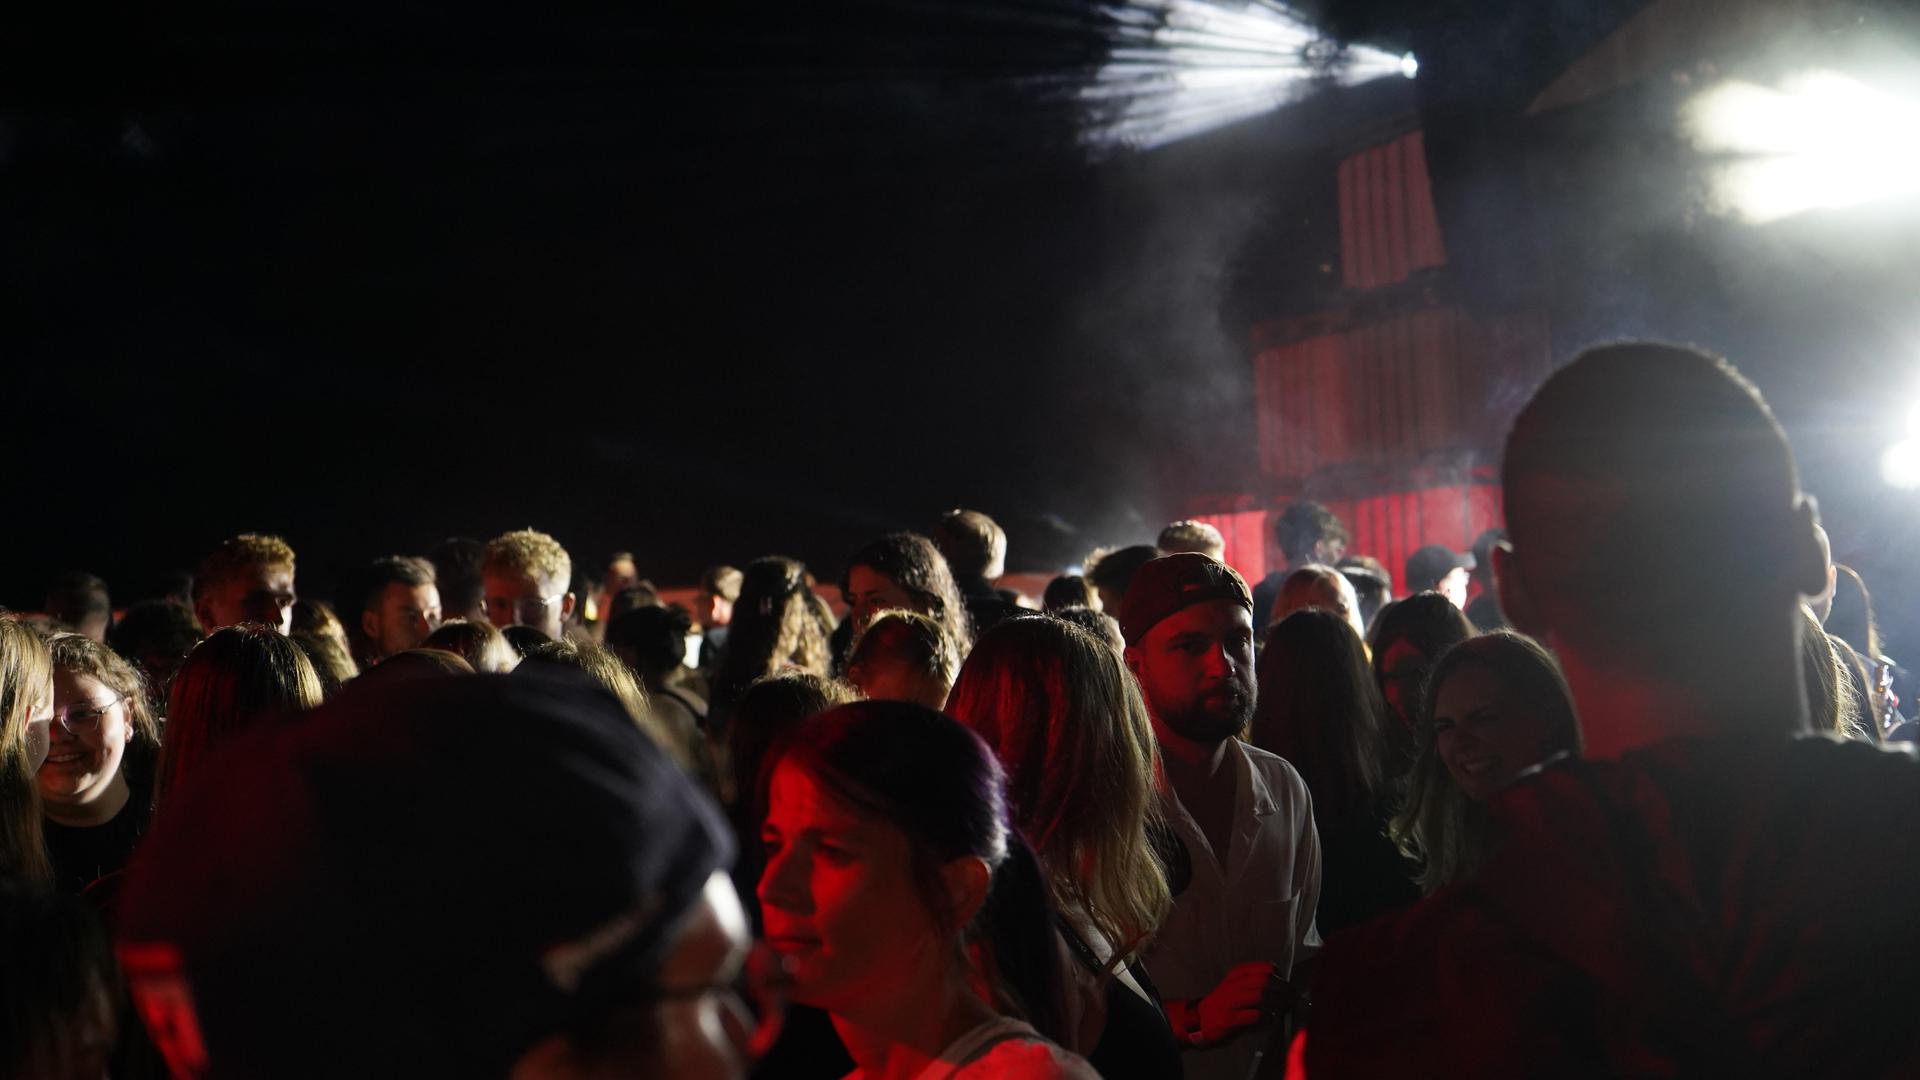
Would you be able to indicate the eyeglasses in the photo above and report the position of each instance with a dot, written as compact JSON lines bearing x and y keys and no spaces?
{"x":506,"y":611}
{"x":760,"y":984}
{"x":83,"y":717}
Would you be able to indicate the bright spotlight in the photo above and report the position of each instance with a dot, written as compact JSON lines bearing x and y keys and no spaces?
{"x":1900,"y":465}
{"x":1410,"y":65}
{"x":1177,"y":68}
{"x":1821,"y":140}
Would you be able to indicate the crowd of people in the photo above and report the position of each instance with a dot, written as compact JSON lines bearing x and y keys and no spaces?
{"x":487,"y":815}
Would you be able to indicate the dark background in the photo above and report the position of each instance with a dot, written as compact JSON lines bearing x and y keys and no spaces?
{"x":708,"y":281}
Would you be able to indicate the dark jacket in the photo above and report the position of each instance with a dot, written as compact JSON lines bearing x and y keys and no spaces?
{"x":1696,"y":908}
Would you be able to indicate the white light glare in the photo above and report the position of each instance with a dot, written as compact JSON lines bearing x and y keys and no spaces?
{"x":1821,"y":140}
{"x":1409,"y":65}
{"x":1182,"y":67}
{"x":1900,"y":465}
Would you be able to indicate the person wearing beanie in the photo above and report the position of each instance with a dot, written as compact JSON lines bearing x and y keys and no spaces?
{"x":481,"y":876}
{"x":1245,"y":919}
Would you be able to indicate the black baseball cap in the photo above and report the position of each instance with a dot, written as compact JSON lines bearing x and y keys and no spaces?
{"x":1428,"y":565}
{"x":429,"y":875}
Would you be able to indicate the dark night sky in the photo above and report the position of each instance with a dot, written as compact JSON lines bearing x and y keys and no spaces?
{"x":705,"y":281}
{"x":704,"y":287}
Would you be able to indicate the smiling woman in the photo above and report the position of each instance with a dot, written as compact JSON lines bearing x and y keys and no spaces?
{"x":1495,"y":705}
{"x":96,"y":787}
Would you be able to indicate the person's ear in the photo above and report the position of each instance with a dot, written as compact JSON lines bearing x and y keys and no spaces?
{"x":1510,"y":592}
{"x":566,"y":607}
{"x":370,"y":625}
{"x":203,"y":611}
{"x":967,"y":881}
{"x":1810,"y":564}
{"x":1134,"y":659}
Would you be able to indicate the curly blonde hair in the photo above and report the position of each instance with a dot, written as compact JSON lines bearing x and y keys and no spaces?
{"x":532,"y":553}
{"x":237,"y":555}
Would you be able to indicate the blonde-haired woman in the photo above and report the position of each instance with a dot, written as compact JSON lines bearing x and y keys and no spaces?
{"x":1067,"y":722}
{"x":26,"y":712}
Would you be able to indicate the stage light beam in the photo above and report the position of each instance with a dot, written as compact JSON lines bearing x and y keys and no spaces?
{"x":1177,"y":68}
{"x":1821,"y":140}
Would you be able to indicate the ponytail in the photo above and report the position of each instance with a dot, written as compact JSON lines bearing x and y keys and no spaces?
{"x":1019,"y":943}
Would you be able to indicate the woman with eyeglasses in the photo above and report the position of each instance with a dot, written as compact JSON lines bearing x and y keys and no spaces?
{"x":26,"y":711}
{"x":904,"y":903}
{"x":96,"y":786}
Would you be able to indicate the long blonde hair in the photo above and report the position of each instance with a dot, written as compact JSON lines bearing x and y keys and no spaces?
{"x":1067,"y":722}
{"x":26,"y":674}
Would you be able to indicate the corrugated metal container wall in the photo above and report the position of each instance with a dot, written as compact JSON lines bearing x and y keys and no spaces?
{"x":1388,"y":227}
{"x":1380,"y":395}
{"x":1392,"y":527}
{"x":1389,"y":527}
{"x":1247,"y":534}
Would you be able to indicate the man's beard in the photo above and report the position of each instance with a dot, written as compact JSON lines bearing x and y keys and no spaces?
{"x":1214,"y":717}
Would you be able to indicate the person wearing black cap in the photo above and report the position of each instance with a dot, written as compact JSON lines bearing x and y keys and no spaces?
{"x":366,"y":912}
{"x":1437,"y":568}
{"x":1222,"y":959}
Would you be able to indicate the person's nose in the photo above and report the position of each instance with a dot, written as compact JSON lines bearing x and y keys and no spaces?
{"x":1219,"y":665}
{"x":783,"y":882}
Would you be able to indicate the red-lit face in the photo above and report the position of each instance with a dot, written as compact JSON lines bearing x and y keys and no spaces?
{"x":1196,"y":669}
{"x":1402,"y":669}
{"x":82,"y":768}
{"x":839,"y":899}
{"x":402,"y":617}
{"x":870,"y":591}
{"x":1484,"y":733}
{"x":260,"y":594}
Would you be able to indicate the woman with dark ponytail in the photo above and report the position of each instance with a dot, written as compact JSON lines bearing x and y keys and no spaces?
{"x":906,"y":906}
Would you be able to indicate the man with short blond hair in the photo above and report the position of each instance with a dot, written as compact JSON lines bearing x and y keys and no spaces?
{"x":527,"y":574}
{"x":246,"y":579}
{"x":1195,"y":536}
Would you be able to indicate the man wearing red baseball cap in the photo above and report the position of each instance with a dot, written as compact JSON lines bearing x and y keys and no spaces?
{"x":1246,"y":916}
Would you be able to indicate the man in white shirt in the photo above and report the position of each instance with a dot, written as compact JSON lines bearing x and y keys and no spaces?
{"x":1222,"y":959}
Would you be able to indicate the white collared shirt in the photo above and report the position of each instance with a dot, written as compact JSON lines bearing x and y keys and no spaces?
{"x":1256,"y":904}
